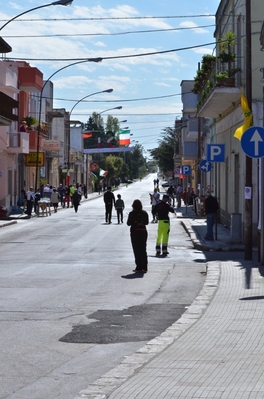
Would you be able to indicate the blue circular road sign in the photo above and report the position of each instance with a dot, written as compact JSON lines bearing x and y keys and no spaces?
{"x":252,"y":142}
{"x":205,"y":166}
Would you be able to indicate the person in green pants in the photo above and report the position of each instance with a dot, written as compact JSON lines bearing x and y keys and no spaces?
{"x":162,"y":210}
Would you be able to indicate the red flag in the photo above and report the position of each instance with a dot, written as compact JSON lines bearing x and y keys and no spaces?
{"x":87,"y":135}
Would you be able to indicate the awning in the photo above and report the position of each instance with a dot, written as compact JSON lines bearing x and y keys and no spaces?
{"x":4,"y":46}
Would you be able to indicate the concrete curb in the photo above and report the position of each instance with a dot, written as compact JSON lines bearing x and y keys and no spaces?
{"x":108,"y":383}
{"x":8,"y":223}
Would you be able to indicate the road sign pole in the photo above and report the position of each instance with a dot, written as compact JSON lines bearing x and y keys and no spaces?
{"x":248,"y":202}
{"x":262,"y":196}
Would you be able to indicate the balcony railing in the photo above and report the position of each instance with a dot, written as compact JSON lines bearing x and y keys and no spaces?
{"x":216,"y":95}
{"x":18,"y":143}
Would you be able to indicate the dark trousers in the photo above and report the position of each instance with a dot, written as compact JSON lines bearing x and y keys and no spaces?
{"x":119,"y":212}
{"x":29,"y":207}
{"x":108,"y":212}
{"x":76,"y":205}
{"x":139,"y":245}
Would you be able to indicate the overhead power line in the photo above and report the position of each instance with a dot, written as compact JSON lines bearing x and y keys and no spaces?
{"x":111,"y":34}
{"x":119,"y":56}
{"x":109,"y":18}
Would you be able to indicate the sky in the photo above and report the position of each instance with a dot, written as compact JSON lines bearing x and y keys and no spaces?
{"x":147,"y":49}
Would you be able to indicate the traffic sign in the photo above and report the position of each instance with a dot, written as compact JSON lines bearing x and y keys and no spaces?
{"x":216,"y":152}
{"x":252,"y":142}
{"x":205,"y":166}
{"x":186,"y":169}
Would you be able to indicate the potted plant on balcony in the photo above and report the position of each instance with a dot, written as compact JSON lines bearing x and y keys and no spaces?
{"x":226,"y":54}
{"x":201,"y":78}
{"x":31,"y":122}
{"x":208,"y":62}
{"x":227,"y":78}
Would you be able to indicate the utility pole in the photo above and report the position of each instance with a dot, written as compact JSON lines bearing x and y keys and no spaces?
{"x":248,"y":202}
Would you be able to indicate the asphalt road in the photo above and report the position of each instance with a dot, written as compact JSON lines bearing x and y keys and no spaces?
{"x":70,"y":306}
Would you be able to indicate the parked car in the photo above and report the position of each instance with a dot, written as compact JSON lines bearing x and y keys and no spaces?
{"x":168,"y":183}
{"x":3,"y":211}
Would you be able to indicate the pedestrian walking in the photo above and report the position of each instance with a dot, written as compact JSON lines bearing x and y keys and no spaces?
{"x":72,"y":191}
{"x":138,"y":220}
{"x":75,"y":200}
{"x":54,"y":199}
{"x":80,"y":192}
{"x":171,"y":193}
{"x":179,"y":192}
{"x":119,"y":206}
{"x":37,"y":197}
{"x":61,"y":192}
{"x":154,"y":199}
{"x":211,"y":208}
{"x":30,"y":199}
{"x":109,"y":200}
{"x":67,"y":196}
{"x":162,"y":209}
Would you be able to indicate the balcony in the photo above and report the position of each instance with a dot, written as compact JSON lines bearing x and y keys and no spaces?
{"x":217,"y":96}
{"x":30,"y":78}
{"x":18,"y":143}
{"x":33,"y":140}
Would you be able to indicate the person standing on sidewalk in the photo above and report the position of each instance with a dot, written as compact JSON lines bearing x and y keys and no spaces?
{"x":162,"y":209}
{"x":119,"y":206}
{"x":109,"y":200}
{"x":211,"y":208}
{"x":30,"y":199}
{"x":137,"y":220}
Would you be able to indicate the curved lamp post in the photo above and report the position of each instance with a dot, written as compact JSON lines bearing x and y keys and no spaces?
{"x":55,"y":3}
{"x":110,"y":109}
{"x":40,"y":108}
{"x":89,"y":95}
{"x":69,"y":138}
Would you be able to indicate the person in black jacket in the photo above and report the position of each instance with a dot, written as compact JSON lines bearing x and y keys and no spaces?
{"x":162,"y":210}
{"x":109,"y":200}
{"x":211,"y":208}
{"x":138,"y":219}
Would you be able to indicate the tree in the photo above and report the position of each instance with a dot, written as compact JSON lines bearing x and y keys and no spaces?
{"x":163,"y":154}
{"x":136,"y":161}
{"x":113,"y":165}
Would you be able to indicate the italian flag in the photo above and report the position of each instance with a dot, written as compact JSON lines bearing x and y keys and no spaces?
{"x":124,"y":137}
{"x":102,"y":173}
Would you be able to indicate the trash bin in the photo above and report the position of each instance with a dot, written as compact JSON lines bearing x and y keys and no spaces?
{"x":235,"y":228}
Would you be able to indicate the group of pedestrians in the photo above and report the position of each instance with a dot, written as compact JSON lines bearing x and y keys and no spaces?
{"x":110,"y":201}
{"x":66,"y":196}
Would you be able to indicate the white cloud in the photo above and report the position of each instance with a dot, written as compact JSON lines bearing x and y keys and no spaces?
{"x":195,"y":27}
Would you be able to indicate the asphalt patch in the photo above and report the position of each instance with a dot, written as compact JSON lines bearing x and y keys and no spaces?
{"x":137,"y":323}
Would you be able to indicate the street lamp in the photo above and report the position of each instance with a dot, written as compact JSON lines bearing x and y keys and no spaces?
{"x":110,"y":109}
{"x":40,"y":108}
{"x":89,"y":95}
{"x":55,"y":3}
{"x":69,"y":137}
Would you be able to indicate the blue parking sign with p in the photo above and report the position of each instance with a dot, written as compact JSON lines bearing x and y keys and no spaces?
{"x":186,"y":169}
{"x":216,"y":152}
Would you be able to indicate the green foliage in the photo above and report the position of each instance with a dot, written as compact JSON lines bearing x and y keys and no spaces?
{"x":113,"y":165}
{"x":31,"y":121}
{"x":163,"y":154}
